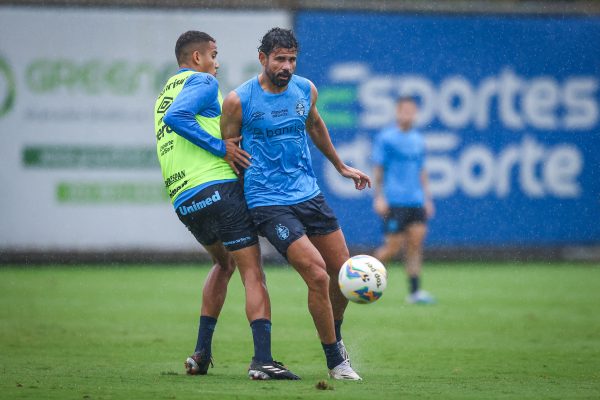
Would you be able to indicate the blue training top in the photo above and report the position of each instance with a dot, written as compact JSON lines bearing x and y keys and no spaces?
{"x":274,"y":133}
{"x":401,"y":155}
{"x":199,"y":96}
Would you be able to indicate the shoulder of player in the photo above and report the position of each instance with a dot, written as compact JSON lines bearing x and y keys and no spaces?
{"x":303,"y":83}
{"x":245,"y":88}
{"x":388,"y":133}
{"x":202,"y":78}
{"x":417,"y":134}
{"x":231,"y":102}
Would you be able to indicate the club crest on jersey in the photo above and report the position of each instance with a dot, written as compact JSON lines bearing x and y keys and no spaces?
{"x":300,"y":109}
{"x":282,"y":231}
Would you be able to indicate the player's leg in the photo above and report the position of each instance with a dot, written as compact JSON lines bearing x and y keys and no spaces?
{"x":334,"y":251}
{"x":415,"y":236}
{"x":241,"y":239}
{"x":309,"y":263}
{"x":258,"y":312}
{"x":332,"y":247}
{"x":258,"y":304}
{"x":202,"y":225}
{"x":281,"y":226}
{"x":307,"y":260}
{"x":215,"y":285}
{"x":393,"y":225}
{"x":323,"y":231}
{"x":393,"y":244}
{"x":213,"y":298}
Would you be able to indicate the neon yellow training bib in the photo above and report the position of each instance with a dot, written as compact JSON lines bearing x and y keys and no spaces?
{"x":185,"y":165}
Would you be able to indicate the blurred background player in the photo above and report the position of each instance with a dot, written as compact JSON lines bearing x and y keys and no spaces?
{"x":402,"y":196}
{"x":273,"y":113}
{"x":197,"y":169}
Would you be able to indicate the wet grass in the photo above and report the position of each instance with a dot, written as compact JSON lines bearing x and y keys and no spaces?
{"x":526,"y":331}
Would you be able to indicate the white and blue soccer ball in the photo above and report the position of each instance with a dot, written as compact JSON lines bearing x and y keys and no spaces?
{"x":362,"y":279}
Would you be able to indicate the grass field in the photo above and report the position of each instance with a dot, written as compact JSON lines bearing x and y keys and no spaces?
{"x":523,"y":331}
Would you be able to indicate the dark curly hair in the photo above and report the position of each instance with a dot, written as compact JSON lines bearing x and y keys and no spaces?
{"x":278,"y":38}
{"x":182,"y":47}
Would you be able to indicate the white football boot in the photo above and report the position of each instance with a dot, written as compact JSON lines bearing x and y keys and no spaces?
{"x":344,"y":372}
{"x":420,"y":297}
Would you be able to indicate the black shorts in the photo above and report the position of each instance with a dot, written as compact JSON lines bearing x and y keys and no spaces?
{"x":399,"y":218}
{"x":219,"y":213}
{"x":282,"y":225}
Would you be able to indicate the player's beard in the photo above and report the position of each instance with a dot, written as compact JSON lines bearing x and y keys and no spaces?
{"x":276,"y":78}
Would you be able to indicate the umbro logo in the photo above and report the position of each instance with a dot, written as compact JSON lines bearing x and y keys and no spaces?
{"x":257,"y":116}
{"x":164,"y":105}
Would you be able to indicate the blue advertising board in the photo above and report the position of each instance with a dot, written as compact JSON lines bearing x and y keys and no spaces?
{"x":509,"y":106}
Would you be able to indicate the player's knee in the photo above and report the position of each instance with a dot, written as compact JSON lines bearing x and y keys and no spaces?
{"x":319,"y":280}
{"x":227,"y":265}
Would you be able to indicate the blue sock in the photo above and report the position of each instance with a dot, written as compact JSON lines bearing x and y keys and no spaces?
{"x":332,"y":354}
{"x":414,"y":284}
{"x":338,"y":329}
{"x":261,"y":334}
{"x":205,"y":334}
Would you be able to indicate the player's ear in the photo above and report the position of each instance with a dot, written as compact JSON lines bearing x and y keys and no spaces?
{"x":196,"y":57}
{"x":262,"y":57}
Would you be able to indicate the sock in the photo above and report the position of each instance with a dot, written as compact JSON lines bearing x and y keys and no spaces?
{"x":205,"y":334}
{"x":332,"y":354}
{"x":261,"y":334}
{"x":414,"y":284}
{"x":338,"y":329}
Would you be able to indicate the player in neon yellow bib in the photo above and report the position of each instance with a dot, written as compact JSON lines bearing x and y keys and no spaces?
{"x":198,"y":171}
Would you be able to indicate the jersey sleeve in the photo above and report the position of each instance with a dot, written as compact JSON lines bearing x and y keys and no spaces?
{"x":197,"y":95}
{"x":377,"y":153}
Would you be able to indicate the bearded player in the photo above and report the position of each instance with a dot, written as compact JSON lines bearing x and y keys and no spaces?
{"x":275,"y":113}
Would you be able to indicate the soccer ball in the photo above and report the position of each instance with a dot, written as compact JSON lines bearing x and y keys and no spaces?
{"x":362,"y":279}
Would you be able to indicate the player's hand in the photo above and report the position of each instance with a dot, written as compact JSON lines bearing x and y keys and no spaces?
{"x":381,"y":206}
{"x":361,"y":180}
{"x":235,"y":155}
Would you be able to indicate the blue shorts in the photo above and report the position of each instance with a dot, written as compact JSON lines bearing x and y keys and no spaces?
{"x":219,"y":213}
{"x":282,"y":225}
{"x":399,"y":218}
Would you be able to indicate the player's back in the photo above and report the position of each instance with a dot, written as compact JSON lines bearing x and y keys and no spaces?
{"x":273,"y":131}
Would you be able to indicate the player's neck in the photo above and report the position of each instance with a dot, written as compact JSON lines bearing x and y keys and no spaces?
{"x":405,"y":128}
{"x":192,"y":67}
{"x":268,"y":86}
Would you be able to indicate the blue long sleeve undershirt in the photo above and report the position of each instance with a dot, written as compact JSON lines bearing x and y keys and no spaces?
{"x":199,"y":96}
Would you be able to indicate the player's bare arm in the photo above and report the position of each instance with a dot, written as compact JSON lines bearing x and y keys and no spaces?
{"x":429,"y":206}
{"x":231,"y":123}
{"x":316,"y":128}
{"x":380,"y":204}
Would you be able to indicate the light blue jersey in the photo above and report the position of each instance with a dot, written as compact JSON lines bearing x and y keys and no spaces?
{"x":273,"y":131}
{"x":401,"y":155}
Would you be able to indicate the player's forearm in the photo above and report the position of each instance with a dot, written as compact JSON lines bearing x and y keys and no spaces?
{"x":320,"y":137}
{"x":378,"y":181}
{"x":185,"y":125}
{"x":199,"y":92}
{"x":425,"y":185}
